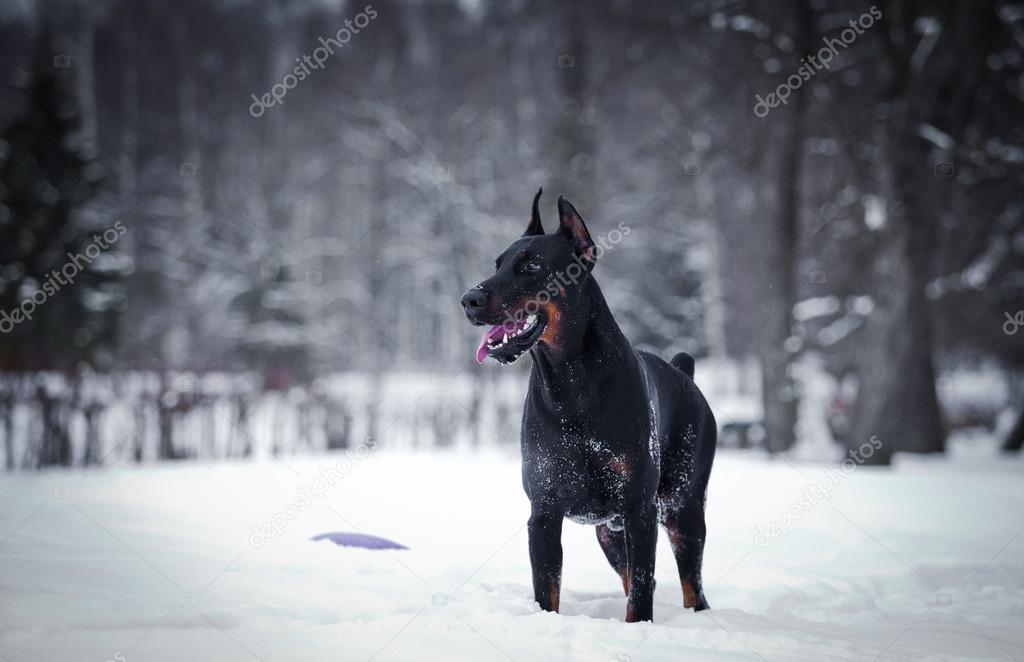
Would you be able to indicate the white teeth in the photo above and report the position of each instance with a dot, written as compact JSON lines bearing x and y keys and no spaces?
{"x":531,"y":321}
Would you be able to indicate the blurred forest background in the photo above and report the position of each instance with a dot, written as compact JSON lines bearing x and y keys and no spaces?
{"x":847,"y":266}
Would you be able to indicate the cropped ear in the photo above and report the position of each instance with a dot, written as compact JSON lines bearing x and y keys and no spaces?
{"x":571,"y":224}
{"x":535,"y":227}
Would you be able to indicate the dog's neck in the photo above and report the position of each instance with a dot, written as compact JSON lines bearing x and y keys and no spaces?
{"x":589,"y":342}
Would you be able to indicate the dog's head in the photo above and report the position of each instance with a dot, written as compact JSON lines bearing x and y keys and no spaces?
{"x":536,"y":279}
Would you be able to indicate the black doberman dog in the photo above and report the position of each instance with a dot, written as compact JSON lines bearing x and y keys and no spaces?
{"x":611,"y":435}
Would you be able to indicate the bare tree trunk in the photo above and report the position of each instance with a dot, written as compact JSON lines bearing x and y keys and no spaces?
{"x":141,"y":429}
{"x":1015,"y":440}
{"x":897,"y":402}
{"x":712,"y":295}
{"x":92,"y":412}
{"x":574,"y":141}
{"x":193,"y":209}
{"x":7,"y":420}
{"x":55,"y":447}
{"x":376,"y":281}
{"x":127,"y":158}
{"x":86,"y":79}
{"x":240,"y":429}
{"x":779,"y":391}
{"x":166,"y":451}
{"x":166,"y":405}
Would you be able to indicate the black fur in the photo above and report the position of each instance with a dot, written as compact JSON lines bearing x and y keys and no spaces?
{"x":611,"y":435}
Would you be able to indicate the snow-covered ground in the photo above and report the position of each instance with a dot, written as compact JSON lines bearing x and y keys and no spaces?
{"x":176,"y":562}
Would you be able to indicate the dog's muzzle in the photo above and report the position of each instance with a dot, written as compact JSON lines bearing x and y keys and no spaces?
{"x":474,"y":303}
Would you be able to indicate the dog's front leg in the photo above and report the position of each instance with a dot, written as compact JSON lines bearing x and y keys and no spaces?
{"x":545,"y":531}
{"x":641,"y":540}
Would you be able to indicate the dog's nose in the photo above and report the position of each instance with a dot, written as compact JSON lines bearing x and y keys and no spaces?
{"x":473,"y":303}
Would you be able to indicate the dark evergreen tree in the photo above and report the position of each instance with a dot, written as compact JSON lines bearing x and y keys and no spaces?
{"x":57,"y":302}
{"x":274,"y":336}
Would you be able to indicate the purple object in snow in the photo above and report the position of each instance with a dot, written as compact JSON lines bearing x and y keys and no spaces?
{"x":358,"y":540}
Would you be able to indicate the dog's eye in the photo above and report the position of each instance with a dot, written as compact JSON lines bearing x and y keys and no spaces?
{"x":533,"y":266}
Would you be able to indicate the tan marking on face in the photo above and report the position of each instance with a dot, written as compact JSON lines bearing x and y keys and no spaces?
{"x":554,"y":323}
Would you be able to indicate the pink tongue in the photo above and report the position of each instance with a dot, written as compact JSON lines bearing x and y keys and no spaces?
{"x":494,"y":333}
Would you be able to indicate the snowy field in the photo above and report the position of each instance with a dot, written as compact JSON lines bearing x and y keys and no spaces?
{"x":924,"y":562}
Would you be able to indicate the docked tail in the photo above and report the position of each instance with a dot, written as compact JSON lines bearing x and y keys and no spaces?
{"x":684,"y":362}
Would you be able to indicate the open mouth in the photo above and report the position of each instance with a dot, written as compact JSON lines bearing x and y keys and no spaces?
{"x":508,"y":341}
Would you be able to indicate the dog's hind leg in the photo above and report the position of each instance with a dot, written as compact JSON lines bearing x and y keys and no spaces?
{"x":613,"y":544}
{"x":686,"y":530}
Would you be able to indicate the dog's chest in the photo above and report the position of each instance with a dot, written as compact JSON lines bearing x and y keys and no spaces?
{"x":588,"y":478}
